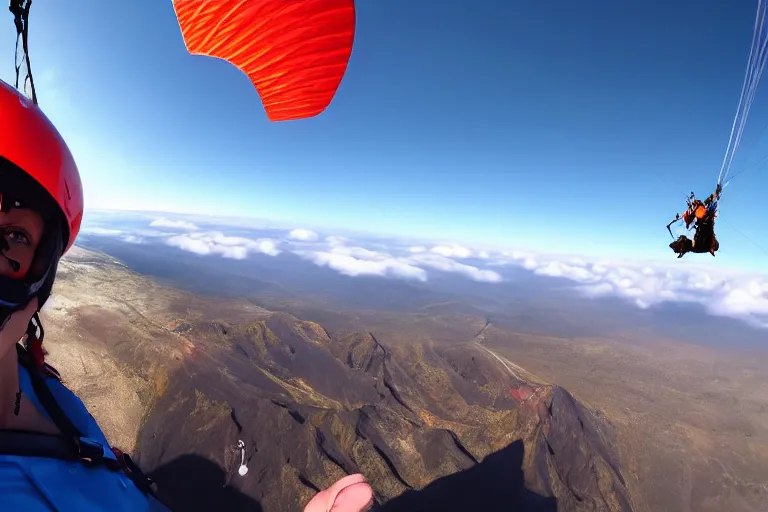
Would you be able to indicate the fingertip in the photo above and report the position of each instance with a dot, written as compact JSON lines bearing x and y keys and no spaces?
{"x":355,"y":498}
{"x":348,"y":480}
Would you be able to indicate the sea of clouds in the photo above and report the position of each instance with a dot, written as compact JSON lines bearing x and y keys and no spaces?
{"x":722,"y":292}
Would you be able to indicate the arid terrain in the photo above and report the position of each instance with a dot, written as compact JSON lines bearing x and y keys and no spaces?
{"x":692,"y":420}
{"x":442,"y":407}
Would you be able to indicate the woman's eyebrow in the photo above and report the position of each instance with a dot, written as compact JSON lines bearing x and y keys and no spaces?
{"x":29,"y":226}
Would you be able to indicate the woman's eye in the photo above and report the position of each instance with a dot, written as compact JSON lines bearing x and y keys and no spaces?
{"x":18,"y":237}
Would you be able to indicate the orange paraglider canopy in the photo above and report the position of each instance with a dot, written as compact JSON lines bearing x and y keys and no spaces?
{"x":294,"y":51}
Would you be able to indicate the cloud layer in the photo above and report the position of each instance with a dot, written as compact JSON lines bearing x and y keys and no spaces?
{"x":721,"y":292}
{"x":173,"y":224}
{"x":215,"y":242}
{"x":303,"y":234}
{"x":737,"y":295}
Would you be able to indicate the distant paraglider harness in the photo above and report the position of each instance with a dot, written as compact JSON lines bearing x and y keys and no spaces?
{"x":699,"y":215}
{"x":698,"y":210}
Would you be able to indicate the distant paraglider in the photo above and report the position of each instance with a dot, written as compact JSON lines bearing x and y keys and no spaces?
{"x":701,"y":214}
{"x":294,"y":52}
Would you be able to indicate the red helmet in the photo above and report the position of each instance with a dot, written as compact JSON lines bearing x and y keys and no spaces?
{"x":36,"y":168}
{"x":31,"y":142}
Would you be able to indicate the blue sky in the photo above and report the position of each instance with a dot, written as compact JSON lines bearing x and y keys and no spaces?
{"x":563,"y":126}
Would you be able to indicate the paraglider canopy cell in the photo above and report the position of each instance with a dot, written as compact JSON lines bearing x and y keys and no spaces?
{"x":294,"y":52}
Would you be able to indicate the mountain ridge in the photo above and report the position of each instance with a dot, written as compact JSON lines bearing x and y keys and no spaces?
{"x":313,"y":406}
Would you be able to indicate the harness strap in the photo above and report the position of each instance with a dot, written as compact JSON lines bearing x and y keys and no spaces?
{"x":46,"y":398}
{"x":20,"y":11}
{"x":33,"y":444}
{"x":72,"y":444}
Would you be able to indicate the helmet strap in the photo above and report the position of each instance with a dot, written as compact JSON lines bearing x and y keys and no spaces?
{"x":17,"y":405}
{"x":5,"y":247}
{"x":5,"y":207}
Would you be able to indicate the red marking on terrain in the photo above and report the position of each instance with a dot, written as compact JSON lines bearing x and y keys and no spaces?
{"x":521,"y":393}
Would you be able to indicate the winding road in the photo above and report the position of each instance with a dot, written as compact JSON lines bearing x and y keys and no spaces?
{"x":509,"y":365}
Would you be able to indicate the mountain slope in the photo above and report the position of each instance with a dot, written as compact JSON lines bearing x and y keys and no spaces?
{"x":180,"y":379}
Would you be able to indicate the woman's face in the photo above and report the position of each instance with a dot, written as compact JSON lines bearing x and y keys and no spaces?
{"x":22,"y":229}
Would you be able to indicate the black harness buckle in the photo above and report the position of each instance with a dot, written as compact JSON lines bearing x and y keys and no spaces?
{"x":89,"y":450}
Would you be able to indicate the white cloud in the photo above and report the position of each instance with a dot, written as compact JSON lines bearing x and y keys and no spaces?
{"x":132,"y":238}
{"x":335,"y":240}
{"x":336,"y":252}
{"x":452,"y":251}
{"x":379,"y":265}
{"x":445,"y":264}
{"x":360,"y":253}
{"x":721,"y":292}
{"x":173,"y":224}
{"x":150,"y":233}
{"x":95,"y":230}
{"x":355,"y":260}
{"x":304,"y":235}
{"x":557,"y":269}
{"x":215,"y":242}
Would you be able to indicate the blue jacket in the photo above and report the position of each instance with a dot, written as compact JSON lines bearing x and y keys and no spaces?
{"x":43,"y":482}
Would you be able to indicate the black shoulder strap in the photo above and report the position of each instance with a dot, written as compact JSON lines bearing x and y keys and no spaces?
{"x":32,"y":444}
{"x":47,"y":400}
